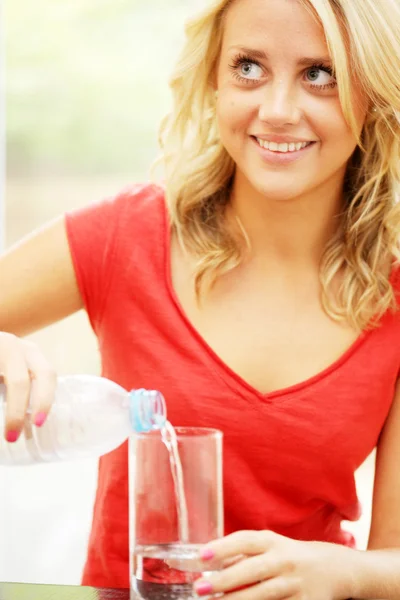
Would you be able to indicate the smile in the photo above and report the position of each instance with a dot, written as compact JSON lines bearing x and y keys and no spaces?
{"x":283,"y":148}
{"x":282,"y":154}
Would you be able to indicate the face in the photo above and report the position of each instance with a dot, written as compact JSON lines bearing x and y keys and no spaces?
{"x":278,"y":107}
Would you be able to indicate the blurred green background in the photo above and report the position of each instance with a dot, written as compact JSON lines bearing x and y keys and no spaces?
{"x":87,"y":82}
{"x":86,"y":88}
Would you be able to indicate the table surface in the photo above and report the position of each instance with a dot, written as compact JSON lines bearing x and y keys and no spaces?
{"x":30,"y":591}
{"x":33,"y":591}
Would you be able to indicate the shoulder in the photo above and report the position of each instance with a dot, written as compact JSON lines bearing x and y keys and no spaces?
{"x":113,"y":240}
{"x":142,"y":199}
{"x":141,"y":213}
{"x":138,"y":206}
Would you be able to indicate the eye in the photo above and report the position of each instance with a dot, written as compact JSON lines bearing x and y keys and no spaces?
{"x":246,"y":69}
{"x":320,"y":76}
{"x":250,"y":70}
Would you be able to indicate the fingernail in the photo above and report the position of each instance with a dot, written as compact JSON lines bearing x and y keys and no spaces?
{"x":12,"y":436}
{"x":40,"y":419}
{"x":207,"y":554}
{"x":203,"y":588}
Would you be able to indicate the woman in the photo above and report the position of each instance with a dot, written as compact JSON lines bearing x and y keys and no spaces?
{"x":263,"y":299}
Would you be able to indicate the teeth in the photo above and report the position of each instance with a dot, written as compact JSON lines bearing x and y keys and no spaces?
{"x":274,"y":147}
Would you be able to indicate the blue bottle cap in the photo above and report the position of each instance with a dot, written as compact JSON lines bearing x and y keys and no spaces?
{"x":147,"y":410}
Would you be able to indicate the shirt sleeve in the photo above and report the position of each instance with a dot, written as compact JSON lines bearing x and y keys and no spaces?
{"x":92,"y":234}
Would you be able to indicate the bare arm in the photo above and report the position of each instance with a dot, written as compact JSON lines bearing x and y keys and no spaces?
{"x":37,"y":281}
{"x":379,"y":568}
{"x":385,"y":526}
{"x":37,"y":288}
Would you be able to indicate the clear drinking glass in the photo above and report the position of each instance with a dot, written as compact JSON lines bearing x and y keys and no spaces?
{"x":175,"y":506}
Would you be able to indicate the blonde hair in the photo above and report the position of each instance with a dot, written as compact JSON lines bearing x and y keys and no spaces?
{"x":199,"y":171}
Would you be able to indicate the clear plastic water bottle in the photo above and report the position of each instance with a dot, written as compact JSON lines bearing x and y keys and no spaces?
{"x":90,"y":417}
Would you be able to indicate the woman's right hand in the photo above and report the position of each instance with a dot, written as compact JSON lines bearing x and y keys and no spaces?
{"x":30,"y":381}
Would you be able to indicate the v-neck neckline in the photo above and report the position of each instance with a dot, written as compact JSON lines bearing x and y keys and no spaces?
{"x":223,"y":368}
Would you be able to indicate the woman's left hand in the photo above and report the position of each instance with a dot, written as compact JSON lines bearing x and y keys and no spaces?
{"x":271,"y":566}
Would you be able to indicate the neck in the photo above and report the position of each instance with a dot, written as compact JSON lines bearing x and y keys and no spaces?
{"x":293,"y":231}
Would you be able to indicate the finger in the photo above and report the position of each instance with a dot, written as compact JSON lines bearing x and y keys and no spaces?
{"x":240,"y":542}
{"x":279,"y":588}
{"x":17,"y":381}
{"x":228,"y":562}
{"x":44,"y":383}
{"x":190,"y":564}
{"x":249,"y":571}
{"x":194,"y":564}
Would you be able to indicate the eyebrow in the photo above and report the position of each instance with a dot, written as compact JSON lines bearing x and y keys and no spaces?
{"x":303,"y":62}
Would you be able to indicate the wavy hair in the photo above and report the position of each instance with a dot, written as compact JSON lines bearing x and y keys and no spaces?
{"x":363,"y":38}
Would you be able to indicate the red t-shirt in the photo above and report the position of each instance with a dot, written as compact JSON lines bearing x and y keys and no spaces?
{"x":289,"y":456}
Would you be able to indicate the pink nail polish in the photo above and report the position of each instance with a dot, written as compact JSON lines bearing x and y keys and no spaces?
{"x":203,"y":589}
{"x":12,"y":436}
{"x":40,"y":419}
{"x":207,"y":554}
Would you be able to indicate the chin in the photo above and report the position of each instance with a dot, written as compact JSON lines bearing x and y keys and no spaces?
{"x":278,"y":193}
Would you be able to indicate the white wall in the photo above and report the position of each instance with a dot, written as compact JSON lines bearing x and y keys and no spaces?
{"x":45,"y":520}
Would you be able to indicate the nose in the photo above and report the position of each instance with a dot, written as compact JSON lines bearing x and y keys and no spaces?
{"x":279,"y":105}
